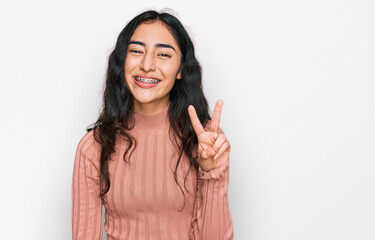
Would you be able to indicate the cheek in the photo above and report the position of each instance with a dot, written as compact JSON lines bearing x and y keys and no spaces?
{"x":170,"y":70}
{"x":130,"y":63}
{"x":128,"y":66}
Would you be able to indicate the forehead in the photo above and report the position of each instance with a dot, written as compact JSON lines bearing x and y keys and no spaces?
{"x":154,"y":32}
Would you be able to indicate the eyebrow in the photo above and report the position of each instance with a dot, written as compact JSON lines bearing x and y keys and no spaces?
{"x":161,"y":45}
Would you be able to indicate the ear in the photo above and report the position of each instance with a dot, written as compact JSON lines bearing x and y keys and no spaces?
{"x":179,"y":74}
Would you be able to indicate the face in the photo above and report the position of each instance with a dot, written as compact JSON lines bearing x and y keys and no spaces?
{"x":152,"y":66}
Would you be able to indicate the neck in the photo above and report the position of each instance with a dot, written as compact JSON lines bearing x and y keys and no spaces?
{"x":151,"y":123}
{"x":150,"y":108}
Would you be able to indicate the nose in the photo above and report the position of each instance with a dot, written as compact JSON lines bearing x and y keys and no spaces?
{"x":148,"y":62}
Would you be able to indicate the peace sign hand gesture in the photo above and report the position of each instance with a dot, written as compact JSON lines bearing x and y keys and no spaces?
{"x":213,"y":147}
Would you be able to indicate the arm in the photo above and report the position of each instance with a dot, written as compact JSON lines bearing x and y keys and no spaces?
{"x":211,"y":218}
{"x":87,"y":205}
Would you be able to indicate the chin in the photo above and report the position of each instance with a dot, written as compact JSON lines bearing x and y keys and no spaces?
{"x":143,"y":100}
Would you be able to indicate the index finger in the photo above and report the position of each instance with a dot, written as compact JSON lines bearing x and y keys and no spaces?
{"x":198,"y":128}
{"x":216,"y":116}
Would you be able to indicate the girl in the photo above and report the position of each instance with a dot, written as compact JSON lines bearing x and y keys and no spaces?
{"x":155,"y":159}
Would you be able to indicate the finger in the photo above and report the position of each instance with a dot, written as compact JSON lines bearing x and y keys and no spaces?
{"x":216,"y":116}
{"x":224,"y":148}
{"x":207,"y":153}
{"x":198,"y":128}
{"x":220,"y":140}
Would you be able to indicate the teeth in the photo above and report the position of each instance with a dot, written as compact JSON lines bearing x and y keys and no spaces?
{"x":146,"y":80}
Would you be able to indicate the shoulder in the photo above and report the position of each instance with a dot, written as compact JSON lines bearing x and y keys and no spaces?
{"x":88,"y":147}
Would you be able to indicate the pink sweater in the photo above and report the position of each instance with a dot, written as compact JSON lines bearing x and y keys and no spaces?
{"x":144,"y":200}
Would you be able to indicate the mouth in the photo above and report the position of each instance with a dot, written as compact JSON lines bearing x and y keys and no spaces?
{"x":146,"y":80}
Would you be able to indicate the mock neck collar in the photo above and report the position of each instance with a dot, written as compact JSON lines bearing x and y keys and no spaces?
{"x":155,"y":122}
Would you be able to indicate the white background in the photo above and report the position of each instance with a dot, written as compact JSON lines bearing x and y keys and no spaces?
{"x":297,"y":79}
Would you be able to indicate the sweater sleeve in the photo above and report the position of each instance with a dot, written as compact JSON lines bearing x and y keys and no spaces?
{"x":211,"y":217}
{"x":87,"y":205}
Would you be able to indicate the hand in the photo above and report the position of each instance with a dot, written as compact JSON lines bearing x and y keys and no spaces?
{"x":213,"y":147}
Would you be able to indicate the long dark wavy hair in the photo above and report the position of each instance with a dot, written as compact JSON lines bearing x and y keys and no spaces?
{"x":116,"y":116}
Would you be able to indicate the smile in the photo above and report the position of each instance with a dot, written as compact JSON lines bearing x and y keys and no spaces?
{"x":146,"y":80}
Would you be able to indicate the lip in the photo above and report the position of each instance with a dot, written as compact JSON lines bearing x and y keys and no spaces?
{"x":145,"y":85}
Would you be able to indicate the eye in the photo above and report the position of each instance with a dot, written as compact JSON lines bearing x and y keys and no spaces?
{"x":135,"y":51}
{"x":164,"y":55}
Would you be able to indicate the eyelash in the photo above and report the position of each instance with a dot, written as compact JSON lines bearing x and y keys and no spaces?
{"x":135,"y":51}
{"x":164,"y":55}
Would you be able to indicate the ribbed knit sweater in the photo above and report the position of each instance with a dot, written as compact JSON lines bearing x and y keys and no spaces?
{"x":144,"y":201}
